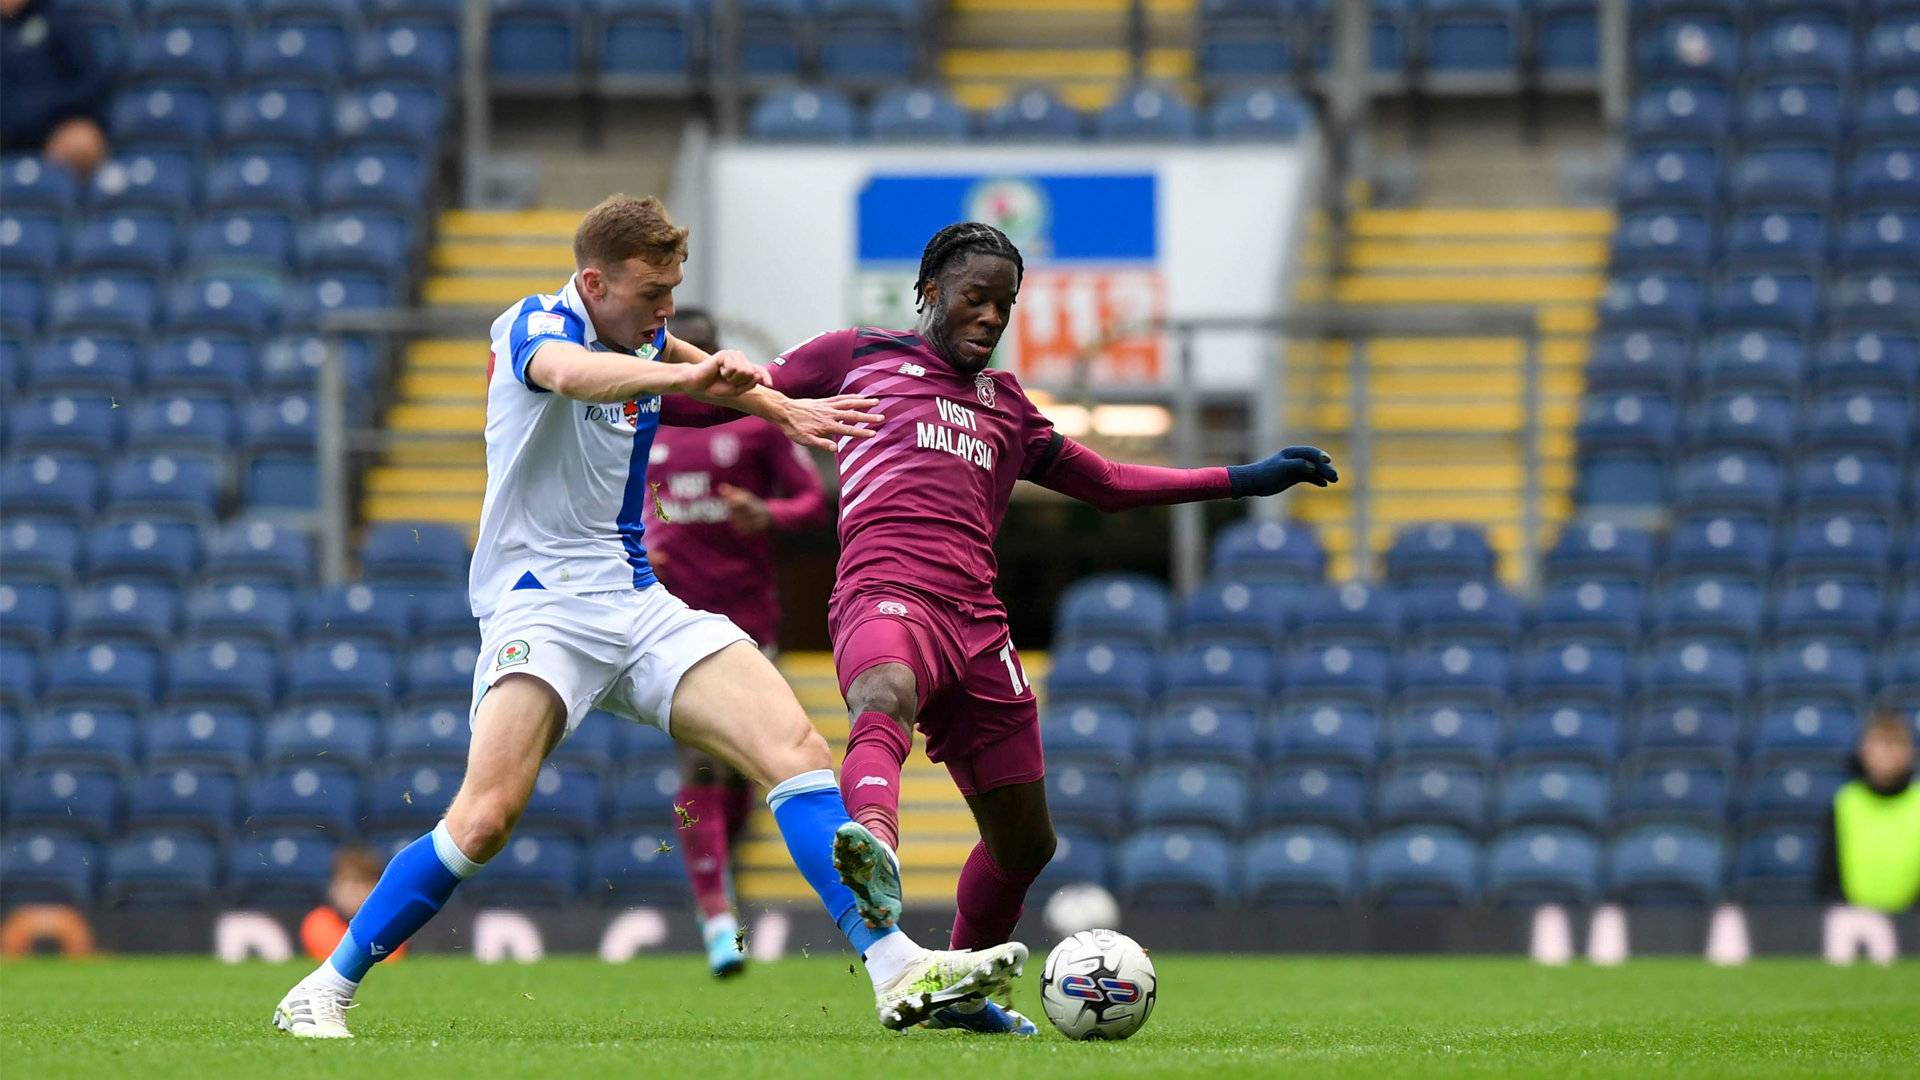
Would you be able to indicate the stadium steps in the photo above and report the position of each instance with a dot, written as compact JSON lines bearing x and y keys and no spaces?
{"x":1078,"y":47}
{"x":936,"y":829}
{"x":1448,"y":413}
{"x":481,"y":260}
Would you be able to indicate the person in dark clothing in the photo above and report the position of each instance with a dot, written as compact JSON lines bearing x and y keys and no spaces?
{"x":53,"y":85}
{"x":1870,"y":855}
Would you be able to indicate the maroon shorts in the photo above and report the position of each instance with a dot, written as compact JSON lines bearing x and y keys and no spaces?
{"x":977,"y":709}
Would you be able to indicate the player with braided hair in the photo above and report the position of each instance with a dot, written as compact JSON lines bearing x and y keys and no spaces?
{"x":920,"y":640}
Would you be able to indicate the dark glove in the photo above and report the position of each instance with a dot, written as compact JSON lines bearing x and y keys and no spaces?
{"x":1295,"y":464}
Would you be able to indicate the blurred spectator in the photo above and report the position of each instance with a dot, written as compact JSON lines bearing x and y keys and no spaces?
{"x":354,"y":874}
{"x":1872,"y":852}
{"x":53,"y":85}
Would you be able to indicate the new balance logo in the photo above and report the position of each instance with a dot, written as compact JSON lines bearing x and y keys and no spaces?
{"x":912,"y":369}
{"x":872,"y":781}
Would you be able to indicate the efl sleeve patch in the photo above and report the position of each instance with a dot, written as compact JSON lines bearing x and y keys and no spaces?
{"x":545,"y":322}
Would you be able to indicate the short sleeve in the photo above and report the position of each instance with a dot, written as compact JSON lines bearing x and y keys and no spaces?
{"x":816,"y":367}
{"x":534,"y":327}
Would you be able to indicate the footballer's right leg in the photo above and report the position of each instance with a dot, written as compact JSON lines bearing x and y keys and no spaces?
{"x":735,"y":705}
{"x":517,"y":723}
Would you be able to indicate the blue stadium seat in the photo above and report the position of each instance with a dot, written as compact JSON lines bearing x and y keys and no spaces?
{"x":359,"y":672}
{"x":29,"y":181}
{"x":284,"y":423}
{"x":205,"y":734}
{"x":1830,"y":606}
{"x":274,"y":116}
{"x":1311,"y":794}
{"x":1421,"y":866}
{"x":565,"y":799}
{"x":104,"y":672}
{"x":867,"y":41}
{"x":1698,"y":670}
{"x":1176,"y":868}
{"x":1775,"y":867}
{"x":1823,"y":667}
{"x":1543,"y":866}
{"x":1474,"y":611}
{"x":1346,"y":734}
{"x":1892,"y":46}
{"x":1861,"y":420}
{"x":1601,"y":548}
{"x":31,"y":612}
{"x":30,"y":242}
{"x":203,"y":363}
{"x":262,"y":611}
{"x":1574,"y":673}
{"x":1260,"y":115}
{"x":140,"y":243}
{"x":1679,"y":111}
{"x":1473,"y":37}
{"x":1439,"y":551}
{"x":1446,"y":732}
{"x":1193,"y":793}
{"x":1081,"y":797}
{"x":301,"y":47}
{"x":1744,"y":419}
{"x":1731,"y":480}
{"x":1890,"y":111}
{"x":1434,"y":795}
{"x":203,"y":800}
{"x":1838,"y":543}
{"x":181,"y":486}
{"x":1674,"y":176}
{"x":1664,"y":866}
{"x":358,"y":610}
{"x":1686,"y":732}
{"x":193,"y":51}
{"x":1652,"y":239}
{"x":21,"y":666}
{"x":1793,"y":112}
{"x":1689,"y":48}
{"x":378,"y":243}
{"x":23,"y":304}
{"x":84,"y":363}
{"x":161,"y":116}
{"x":412,"y":796}
{"x":81,"y":737}
{"x":1346,"y":673}
{"x":1352,"y":612}
{"x":535,"y":41}
{"x":289,"y":869}
{"x":445,"y":616}
{"x":178,"y":422}
{"x":1240,"y":39}
{"x":594,"y":746}
{"x":646,"y":790}
{"x":69,"y":799}
{"x":1884,"y":238}
{"x":164,"y":870}
{"x":808,"y":114}
{"x":260,"y":551}
{"x":383,"y":180}
{"x":418,"y":48}
{"x":48,"y":867}
{"x":1630,"y":420}
{"x":1246,"y":610}
{"x":1801,"y":45}
{"x":648,"y":41}
{"x":40,"y":550}
{"x":1726,"y":607}
{"x":641,"y":742}
{"x":119,"y":303}
{"x":1810,"y":731}
{"x":1790,"y":301}
{"x":50,"y":485}
{"x":1223,"y":730}
{"x":433,"y":733}
{"x":771,"y":38}
{"x":1118,"y":671}
{"x":1786,"y":237}
{"x":306,"y":796}
{"x":1033,"y":114}
{"x":232,"y":302}
{"x":169,"y":551}
{"x":1845,"y":480}
{"x":1693,"y":793}
{"x":147,"y":612}
{"x":1302,"y":866}
{"x":340,"y":736}
{"x":442,"y":672}
{"x":1884,"y":175}
{"x":145,"y":180}
{"x":237,"y":672}
{"x":1078,"y":857}
{"x":1725,"y":543}
{"x":1554,"y":793}
{"x":1269,"y":551}
{"x":1113,"y":606}
{"x":637,"y":868}
{"x":1783,"y":175}
{"x":415,"y":553}
{"x":1145,"y":113}
{"x":252,"y":180}
{"x":917,"y":114}
{"x":85,"y":423}
{"x":1792,"y":792}
{"x":1241,"y":673}
{"x":1590,"y":610}
{"x":1454,"y":672}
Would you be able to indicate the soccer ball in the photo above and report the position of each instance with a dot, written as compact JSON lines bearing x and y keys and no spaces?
{"x":1098,"y":984}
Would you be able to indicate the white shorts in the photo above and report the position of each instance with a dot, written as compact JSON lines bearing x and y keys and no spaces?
{"x":623,"y":651}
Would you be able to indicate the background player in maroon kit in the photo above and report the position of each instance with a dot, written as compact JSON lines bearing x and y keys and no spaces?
{"x":919,"y":637}
{"x":719,"y":492}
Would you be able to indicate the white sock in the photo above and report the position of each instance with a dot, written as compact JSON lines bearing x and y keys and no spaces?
{"x":890,"y":956}
{"x":326,"y":976}
{"x":722,"y":925}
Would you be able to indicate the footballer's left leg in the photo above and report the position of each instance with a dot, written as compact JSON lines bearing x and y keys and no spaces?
{"x":735,"y":705}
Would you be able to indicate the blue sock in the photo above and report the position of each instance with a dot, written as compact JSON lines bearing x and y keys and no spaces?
{"x":808,"y":810}
{"x":414,"y":887}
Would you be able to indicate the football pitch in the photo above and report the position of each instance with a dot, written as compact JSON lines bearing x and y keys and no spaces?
{"x":800,"y":1019}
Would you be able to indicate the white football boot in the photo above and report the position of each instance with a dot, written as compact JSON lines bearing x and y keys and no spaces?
{"x":939,"y":978}
{"x":313,"y":1011}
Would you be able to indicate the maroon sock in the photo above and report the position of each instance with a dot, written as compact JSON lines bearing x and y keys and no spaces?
{"x":702,"y":840}
{"x":740,"y":802}
{"x":870,"y":775}
{"x":990,"y":901}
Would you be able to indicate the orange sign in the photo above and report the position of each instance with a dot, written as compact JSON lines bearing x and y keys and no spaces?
{"x":1067,"y":316}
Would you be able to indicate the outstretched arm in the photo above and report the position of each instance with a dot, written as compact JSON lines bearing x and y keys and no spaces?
{"x":817,"y":423}
{"x":1072,"y":469}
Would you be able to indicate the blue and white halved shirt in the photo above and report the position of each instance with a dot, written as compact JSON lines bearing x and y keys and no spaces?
{"x":566,"y":480}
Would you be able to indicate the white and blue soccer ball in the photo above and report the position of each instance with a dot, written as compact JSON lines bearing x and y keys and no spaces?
{"x":1098,"y":984}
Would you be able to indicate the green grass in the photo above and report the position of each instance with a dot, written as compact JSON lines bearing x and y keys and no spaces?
{"x":576,"y":1019}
